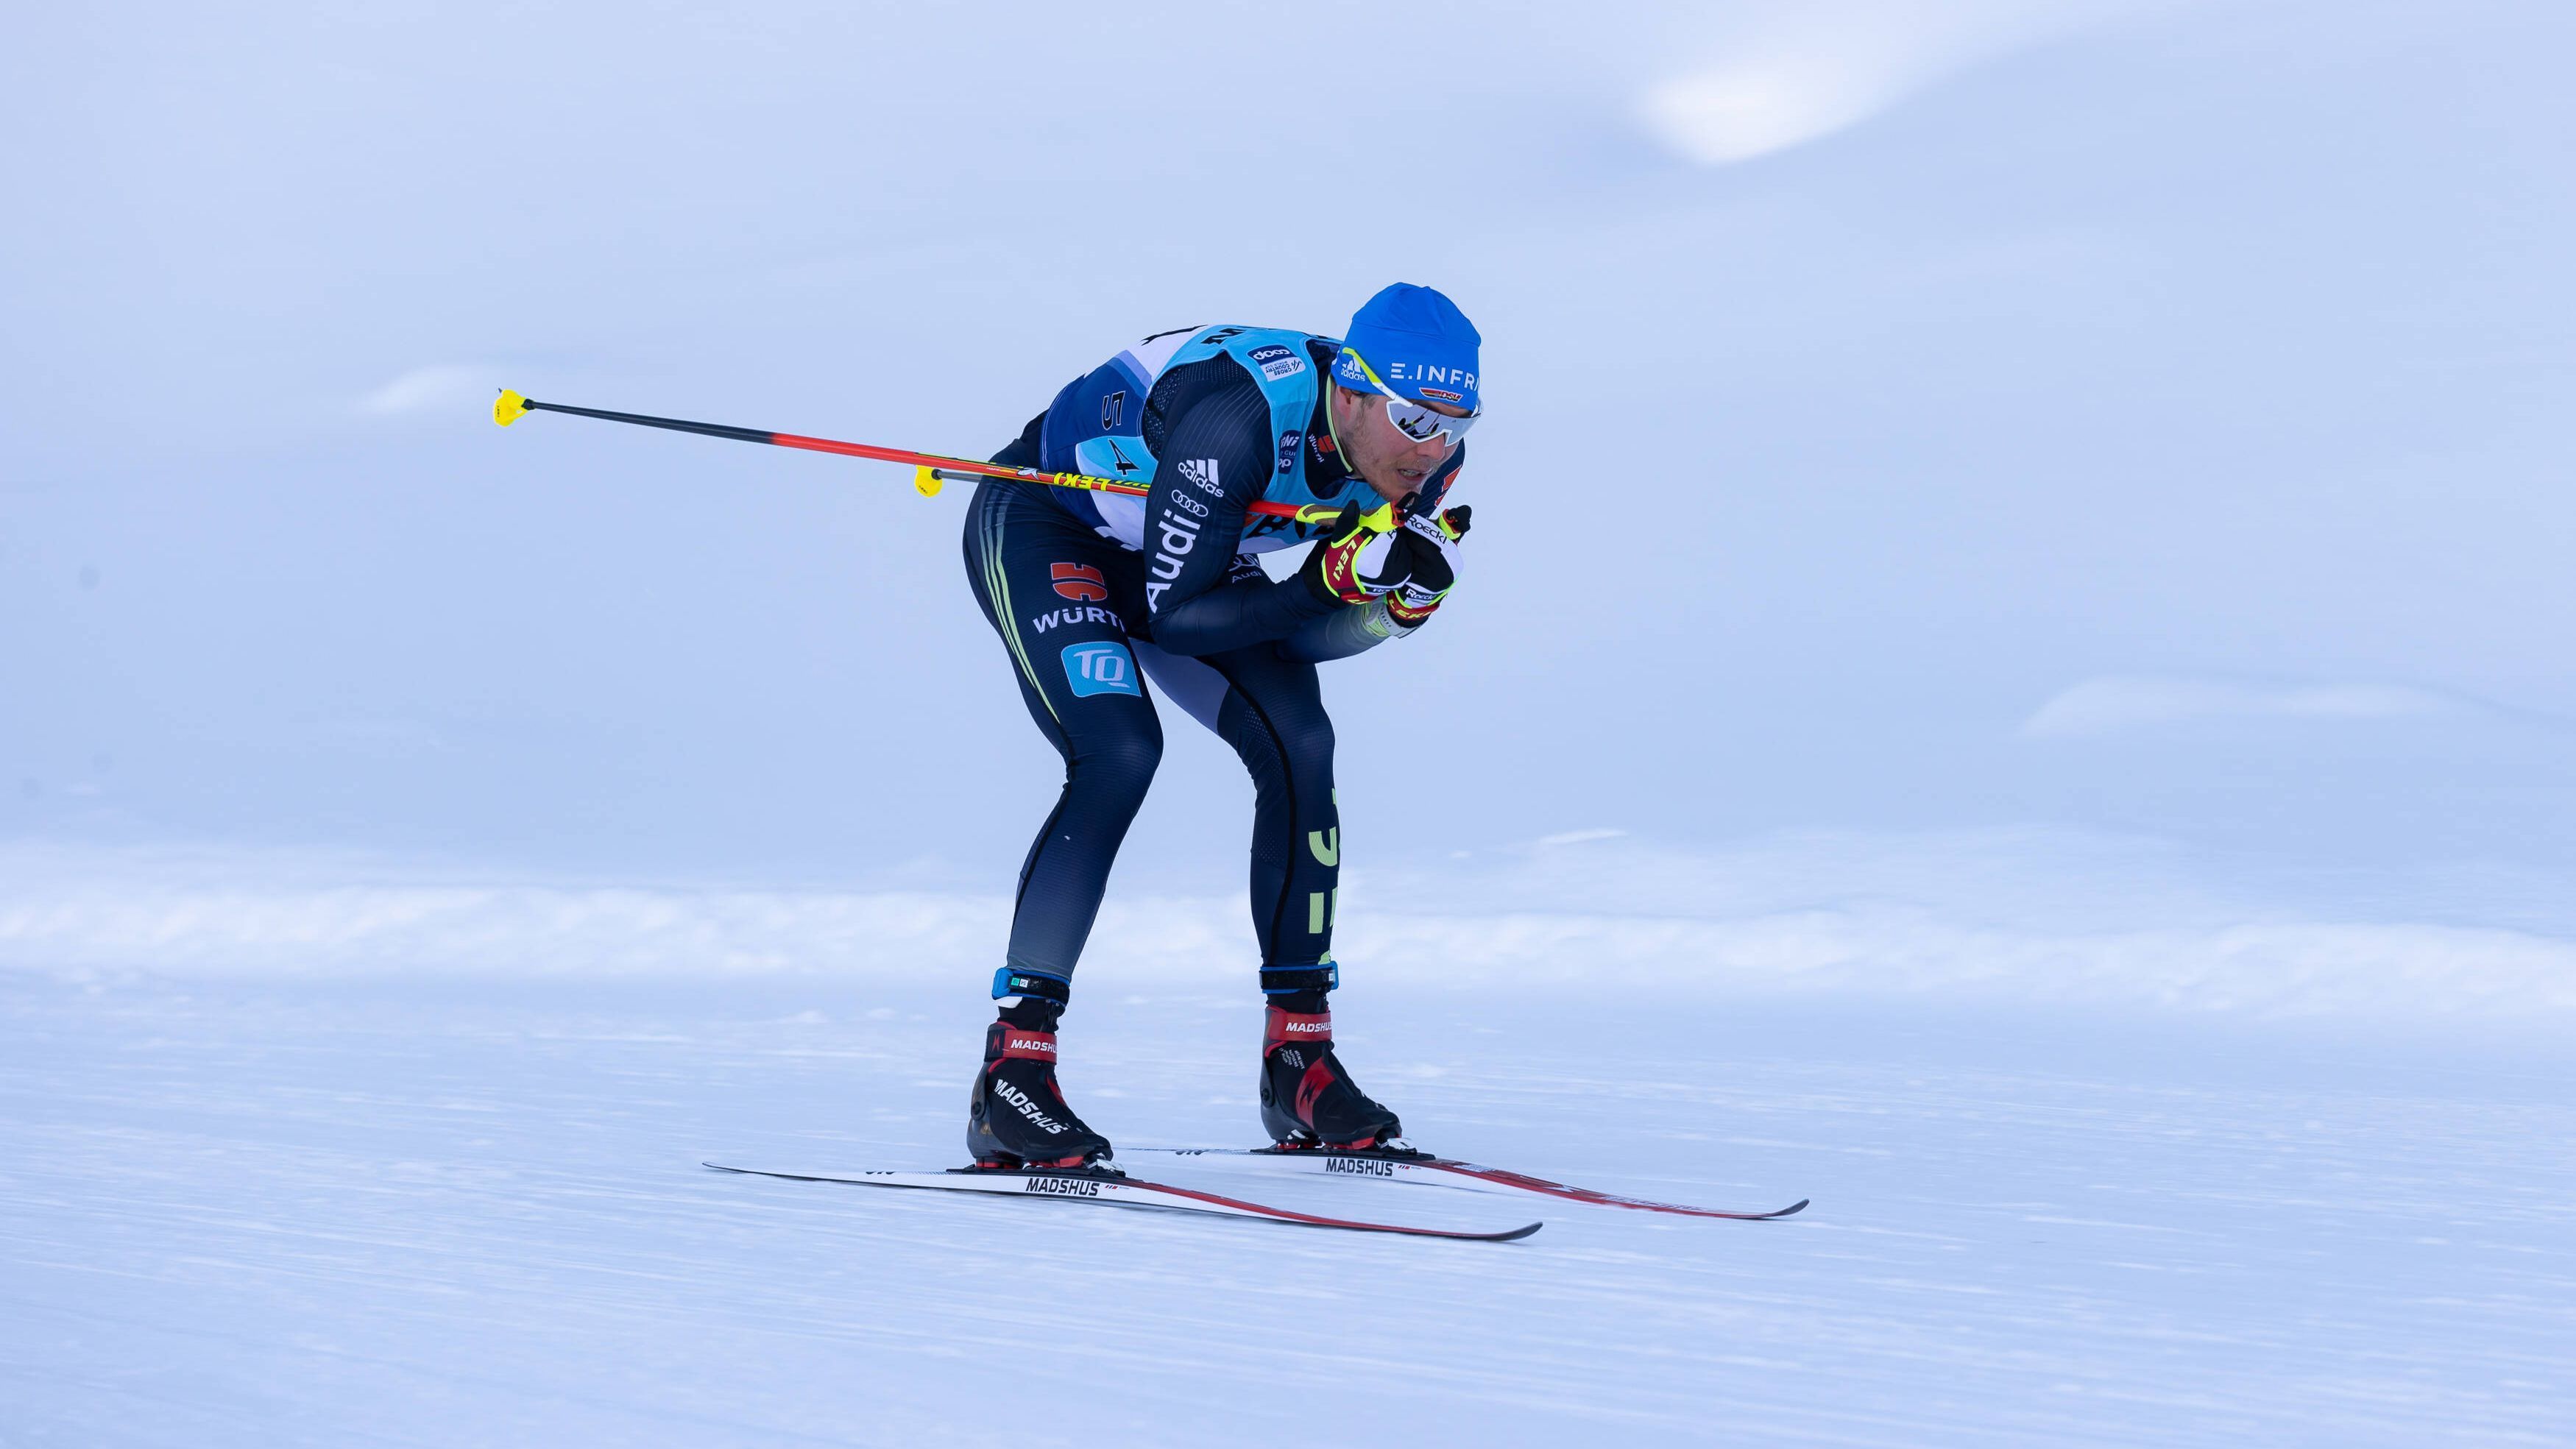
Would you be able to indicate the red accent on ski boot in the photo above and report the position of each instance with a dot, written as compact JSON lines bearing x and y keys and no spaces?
{"x":1016,"y":1116}
{"x":1022,"y":1046}
{"x":1307,"y":1099}
{"x":1278,"y":1026}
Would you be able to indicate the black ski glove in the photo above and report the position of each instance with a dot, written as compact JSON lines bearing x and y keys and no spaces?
{"x":1423,"y":566}
{"x":1354,"y":546}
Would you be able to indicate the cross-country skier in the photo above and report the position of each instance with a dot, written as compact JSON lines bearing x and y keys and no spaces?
{"x":1362,"y":435}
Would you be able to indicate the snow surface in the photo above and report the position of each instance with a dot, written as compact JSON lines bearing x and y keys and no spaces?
{"x":424,"y":1209}
{"x":2139,"y":418}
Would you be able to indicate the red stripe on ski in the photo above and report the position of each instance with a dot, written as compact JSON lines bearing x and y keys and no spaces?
{"x":1482,"y":1178}
{"x":1293,"y":1216}
{"x":1527,"y":1183}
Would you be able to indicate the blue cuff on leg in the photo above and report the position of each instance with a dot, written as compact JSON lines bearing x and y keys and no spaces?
{"x":1281,"y":980}
{"x":1037,"y":985}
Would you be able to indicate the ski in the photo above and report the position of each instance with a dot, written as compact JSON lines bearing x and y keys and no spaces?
{"x":1411,"y":1166}
{"x":1082,"y":1186}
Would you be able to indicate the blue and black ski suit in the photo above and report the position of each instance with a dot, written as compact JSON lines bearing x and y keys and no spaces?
{"x":1092,"y":593}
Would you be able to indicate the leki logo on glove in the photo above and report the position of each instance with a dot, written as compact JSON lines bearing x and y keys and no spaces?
{"x":1080,"y":582}
{"x":1100,"y":668}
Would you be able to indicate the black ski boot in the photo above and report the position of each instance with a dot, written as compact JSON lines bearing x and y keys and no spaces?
{"x":1016,"y":1116}
{"x":1307,"y":1100}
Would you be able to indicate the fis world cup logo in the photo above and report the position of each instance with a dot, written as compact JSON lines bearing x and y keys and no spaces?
{"x":1080,"y":582}
{"x":1278,"y":363}
{"x":1100,"y":667}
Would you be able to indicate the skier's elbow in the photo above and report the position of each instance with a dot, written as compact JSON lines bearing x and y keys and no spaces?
{"x":1175,"y":634}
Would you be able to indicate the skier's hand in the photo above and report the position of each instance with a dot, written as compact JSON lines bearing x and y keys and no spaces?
{"x":1353,"y":550}
{"x":1423,"y":566}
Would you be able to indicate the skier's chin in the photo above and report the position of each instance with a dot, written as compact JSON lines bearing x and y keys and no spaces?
{"x":1395,"y":484}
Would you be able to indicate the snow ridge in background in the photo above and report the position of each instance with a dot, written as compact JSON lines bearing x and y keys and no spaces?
{"x":2112,"y":704}
{"x":1801,"y":74}
{"x":451,"y":386}
{"x":2018,"y":918}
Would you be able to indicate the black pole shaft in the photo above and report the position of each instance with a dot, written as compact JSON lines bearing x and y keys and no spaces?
{"x":677,"y":425}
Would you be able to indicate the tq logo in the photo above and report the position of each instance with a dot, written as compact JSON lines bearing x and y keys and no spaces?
{"x":1100,"y":667}
{"x":1080,"y":582}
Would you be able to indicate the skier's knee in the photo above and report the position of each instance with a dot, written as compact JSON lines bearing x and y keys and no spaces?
{"x":1308,"y":751}
{"x":1120,"y":769}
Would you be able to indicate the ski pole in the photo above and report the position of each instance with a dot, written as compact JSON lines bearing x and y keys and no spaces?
{"x":929,"y":470}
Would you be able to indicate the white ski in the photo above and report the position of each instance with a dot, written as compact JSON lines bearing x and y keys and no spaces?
{"x":1410,"y":1166}
{"x":1110,"y":1187}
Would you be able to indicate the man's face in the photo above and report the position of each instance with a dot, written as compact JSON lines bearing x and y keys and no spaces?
{"x":1395,"y":465}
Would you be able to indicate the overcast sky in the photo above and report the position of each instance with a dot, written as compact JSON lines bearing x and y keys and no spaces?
{"x":2144,"y":416}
